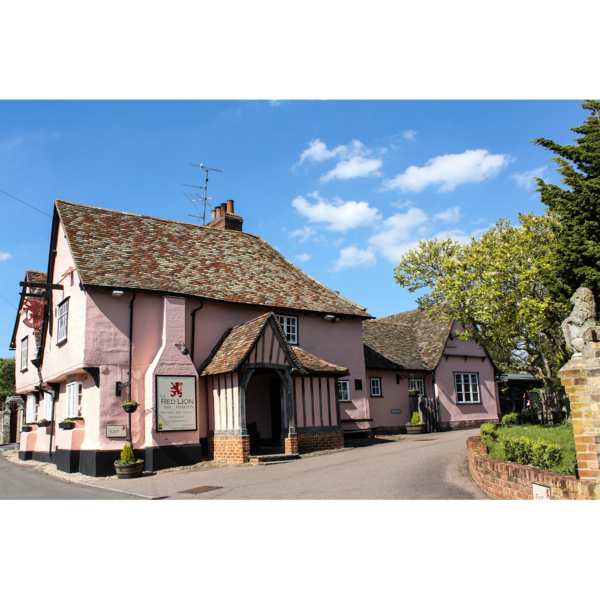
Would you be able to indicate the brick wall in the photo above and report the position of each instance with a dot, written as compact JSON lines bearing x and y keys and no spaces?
{"x":509,"y":481}
{"x":232,"y":449}
{"x":459,"y":425}
{"x":289,"y":443}
{"x":327,"y":440}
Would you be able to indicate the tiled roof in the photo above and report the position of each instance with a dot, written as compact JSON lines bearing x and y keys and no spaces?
{"x":37,"y":276}
{"x":235,"y":344}
{"x":117,"y":249}
{"x":405,"y":341}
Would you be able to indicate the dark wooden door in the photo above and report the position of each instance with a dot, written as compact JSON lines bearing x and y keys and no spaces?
{"x":275,"y":402}
{"x":13,"y":423}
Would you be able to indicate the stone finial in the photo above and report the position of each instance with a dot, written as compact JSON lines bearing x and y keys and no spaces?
{"x":582,"y":318}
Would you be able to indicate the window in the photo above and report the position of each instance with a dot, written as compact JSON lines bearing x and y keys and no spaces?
{"x":375,"y":386}
{"x":74,"y":397}
{"x":48,"y":402}
{"x":31,"y":413}
{"x":24,"y":347}
{"x":343,"y":391}
{"x":290,"y":327}
{"x":417,"y":384}
{"x":358,"y":384}
{"x":467,"y":388}
{"x":63,"y":316}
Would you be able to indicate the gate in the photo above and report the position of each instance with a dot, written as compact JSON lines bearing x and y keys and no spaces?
{"x":430,"y":413}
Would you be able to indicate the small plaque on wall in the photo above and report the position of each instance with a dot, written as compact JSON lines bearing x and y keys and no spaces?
{"x":540,"y":492}
{"x":118,"y":431}
{"x":396,"y":411}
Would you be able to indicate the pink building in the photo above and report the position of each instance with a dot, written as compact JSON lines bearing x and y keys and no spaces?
{"x":226,"y":346}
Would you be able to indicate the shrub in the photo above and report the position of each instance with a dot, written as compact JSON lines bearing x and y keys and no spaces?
{"x":537,"y":453}
{"x":127,"y":455}
{"x":415,"y":419}
{"x":514,"y":419}
{"x":488,"y":431}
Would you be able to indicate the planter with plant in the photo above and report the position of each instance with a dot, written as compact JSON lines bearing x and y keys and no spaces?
{"x":414,"y":392}
{"x":130,"y":406}
{"x":415,"y":425}
{"x":128,"y":466}
{"x":67,"y":424}
{"x":26,"y":428}
{"x":44,"y":423}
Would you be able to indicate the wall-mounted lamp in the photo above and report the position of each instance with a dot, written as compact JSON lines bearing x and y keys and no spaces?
{"x":117,"y":293}
{"x":329,"y":317}
{"x":182,"y":348}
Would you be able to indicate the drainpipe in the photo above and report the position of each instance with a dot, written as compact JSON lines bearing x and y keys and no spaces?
{"x":52,"y":422}
{"x":194,"y":326}
{"x":130,"y":355}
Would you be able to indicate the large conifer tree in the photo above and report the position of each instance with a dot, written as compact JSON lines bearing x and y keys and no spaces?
{"x":575,"y":252}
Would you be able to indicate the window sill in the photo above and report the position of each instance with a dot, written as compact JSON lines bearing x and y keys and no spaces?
{"x":376,"y":396}
{"x":341,"y":401}
{"x":467,"y":403}
{"x":62,"y":343}
{"x":74,"y":418}
{"x":24,"y":370}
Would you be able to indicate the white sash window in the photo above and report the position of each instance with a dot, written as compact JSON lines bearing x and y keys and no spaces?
{"x":48,"y":402}
{"x":24,"y":348}
{"x":74,"y":395}
{"x":417,"y":384}
{"x":31,"y":413}
{"x":290,"y":327}
{"x":375,"y":386}
{"x":63,"y":315}
{"x":343,"y":391}
{"x":467,"y":388}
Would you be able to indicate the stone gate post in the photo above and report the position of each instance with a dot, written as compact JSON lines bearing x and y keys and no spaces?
{"x":581,"y":379}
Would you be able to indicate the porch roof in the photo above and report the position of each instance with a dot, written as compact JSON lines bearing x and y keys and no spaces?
{"x":237,"y":342}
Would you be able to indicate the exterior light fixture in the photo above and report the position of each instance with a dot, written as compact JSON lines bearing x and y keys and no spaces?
{"x":329,"y":317}
{"x":182,"y":348}
{"x":117,"y":293}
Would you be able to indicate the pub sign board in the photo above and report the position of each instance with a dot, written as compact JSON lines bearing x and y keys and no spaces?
{"x":176,"y":403}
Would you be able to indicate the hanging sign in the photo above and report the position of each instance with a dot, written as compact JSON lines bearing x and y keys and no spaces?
{"x":175,"y":403}
{"x":35,"y":309}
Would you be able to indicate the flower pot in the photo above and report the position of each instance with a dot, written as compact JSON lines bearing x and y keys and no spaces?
{"x":66,"y":425}
{"x":47,"y":424}
{"x":129,"y":471}
{"x":26,"y":428}
{"x":131,"y":408}
{"x":415,"y":428}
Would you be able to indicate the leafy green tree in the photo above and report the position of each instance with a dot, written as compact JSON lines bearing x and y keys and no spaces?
{"x":7,"y":379}
{"x":575,"y":249}
{"x":494,"y":288}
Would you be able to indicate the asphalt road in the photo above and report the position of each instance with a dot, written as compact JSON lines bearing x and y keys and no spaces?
{"x":22,"y":483}
{"x":420,"y":467}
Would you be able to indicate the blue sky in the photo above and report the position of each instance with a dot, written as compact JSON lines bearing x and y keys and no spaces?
{"x":341,"y":188}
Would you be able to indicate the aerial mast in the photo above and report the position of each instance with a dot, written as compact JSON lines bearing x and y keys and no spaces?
{"x":199,"y":198}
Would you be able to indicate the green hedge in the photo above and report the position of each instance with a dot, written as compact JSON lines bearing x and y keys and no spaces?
{"x":537,"y":453}
{"x":488,"y":432}
{"x":514,"y":419}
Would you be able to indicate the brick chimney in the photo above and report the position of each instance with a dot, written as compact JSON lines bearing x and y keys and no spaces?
{"x":225,"y":218}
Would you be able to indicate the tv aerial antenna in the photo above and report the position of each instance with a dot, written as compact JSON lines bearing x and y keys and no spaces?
{"x":198,"y":197}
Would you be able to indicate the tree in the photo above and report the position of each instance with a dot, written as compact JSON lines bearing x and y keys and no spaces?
{"x":575,"y":249}
{"x":493,"y":286}
{"x":7,"y":379}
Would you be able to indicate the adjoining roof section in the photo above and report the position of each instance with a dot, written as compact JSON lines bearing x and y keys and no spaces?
{"x":237,"y":343}
{"x":117,"y":249}
{"x":33,"y":277}
{"x":405,"y":341}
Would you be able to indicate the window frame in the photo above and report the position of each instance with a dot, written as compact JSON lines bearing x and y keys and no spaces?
{"x":343,"y":383}
{"x":25,"y":350}
{"x":74,"y":399}
{"x":64,"y":304}
{"x":373,"y":380}
{"x":412,"y":386}
{"x":48,"y":402}
{"x":462,"y":392}
{"x":31,"y":416}
{"x":284,"y":326}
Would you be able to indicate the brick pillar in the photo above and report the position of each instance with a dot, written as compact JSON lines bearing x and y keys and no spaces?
{"x":290,"y":443}
{"x":232,"y":448}
{"x":581,"y":379}
{"x":5,"y":427}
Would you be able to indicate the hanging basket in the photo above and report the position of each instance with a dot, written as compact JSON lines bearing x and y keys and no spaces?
{"x":130,"y":408}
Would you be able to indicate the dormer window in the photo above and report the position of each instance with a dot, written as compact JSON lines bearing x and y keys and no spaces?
{"x":290,"y":327}
{"x":63,"y":316}
{"x":24,"y":349}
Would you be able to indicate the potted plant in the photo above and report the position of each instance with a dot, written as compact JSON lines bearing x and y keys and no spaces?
{"x":26,"y":428}
{"x":414,"y":392}
{"x":44,"y":423}
{"x":67,"y":424}
{"x":415,"y":425}
{"x":128,"y":466}
{"x":130,"y":406}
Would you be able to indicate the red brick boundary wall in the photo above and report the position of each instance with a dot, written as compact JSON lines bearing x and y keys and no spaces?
{"x":509,"y":481}
{"x":327,"y":440}
{"x":232,"y":449}
{"x":460,"y":425}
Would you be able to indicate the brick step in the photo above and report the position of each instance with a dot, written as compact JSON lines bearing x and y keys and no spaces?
{"x":272,"y":458}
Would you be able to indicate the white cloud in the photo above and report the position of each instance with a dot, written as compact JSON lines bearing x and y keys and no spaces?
{"x":304,"y":233}
{"x":450,"y":170}
{"x":397,"y":233}
{"x":304,"y":256}
{"x":5,"y":255}
{"x":352,"y":257}
{"x":452,"y":215}
{"x":338,"y":215}
{"x":401,"y":204}
{"x":275,"y":102}
{"x":526,"y":179}
{"x":355,"y":159}
{"x":409,"y":135}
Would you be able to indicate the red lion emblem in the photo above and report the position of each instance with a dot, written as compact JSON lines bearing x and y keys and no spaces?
{"x":35,"y":307}
{"x":176,"y":389}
